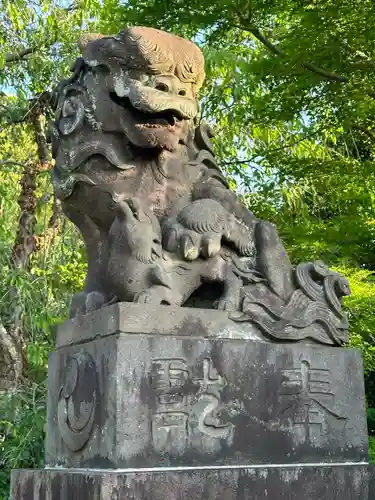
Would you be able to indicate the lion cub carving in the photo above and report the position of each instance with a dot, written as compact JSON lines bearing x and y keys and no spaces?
{"x":139,"y":270}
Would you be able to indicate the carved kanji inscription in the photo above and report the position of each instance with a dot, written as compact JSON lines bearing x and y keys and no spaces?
{"x":170,"y":419}
{"x":176,"y":391}
{"x":308,"y":399}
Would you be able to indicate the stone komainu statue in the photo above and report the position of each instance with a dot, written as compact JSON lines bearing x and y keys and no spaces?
{"x":136,"y":173}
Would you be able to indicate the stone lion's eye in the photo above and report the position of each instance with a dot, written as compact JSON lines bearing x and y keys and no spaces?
{"x":163,"y":87}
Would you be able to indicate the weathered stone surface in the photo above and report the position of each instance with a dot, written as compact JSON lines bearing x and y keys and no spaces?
{"x":170,"y":400}
{"x":371,"y":482}
{"x":136,"y":173}
{"x":126,"y":317}
{"x":344,"y":482}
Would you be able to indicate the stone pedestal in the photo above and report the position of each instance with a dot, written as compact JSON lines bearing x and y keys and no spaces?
{"x":341,"y":482}
{"x":173,"y":403}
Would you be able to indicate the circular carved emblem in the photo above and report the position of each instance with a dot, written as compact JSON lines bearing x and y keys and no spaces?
{"x":77,"y":401}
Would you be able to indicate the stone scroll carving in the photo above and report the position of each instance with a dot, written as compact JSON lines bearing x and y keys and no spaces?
{"x":135,"y":171}
{"x":77,"y":402}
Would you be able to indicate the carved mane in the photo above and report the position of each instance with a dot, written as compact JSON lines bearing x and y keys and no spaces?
{"x":80,"y":132}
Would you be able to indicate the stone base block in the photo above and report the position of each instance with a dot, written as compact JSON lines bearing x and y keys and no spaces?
{"x":129,"y":399}
{"x":312,"y":482}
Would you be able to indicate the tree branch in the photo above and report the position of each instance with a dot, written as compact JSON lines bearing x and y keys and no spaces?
{"x":285,"y":146}
{"x":12,"y":162}
{"x":262,"y":38}
{"x":305,"y":64}
{"x":324,"y":73}
{"x":19,"y":55}
{"x":278,"y":51}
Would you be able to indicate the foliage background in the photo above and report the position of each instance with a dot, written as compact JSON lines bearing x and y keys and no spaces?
{"x":290,"y":95}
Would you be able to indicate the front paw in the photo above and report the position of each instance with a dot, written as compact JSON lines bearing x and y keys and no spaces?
{"x":190,"y":244}
{"x":95,"y":300}
{"x":77,"y":305}
{"x":85,"y":302}
{"x":147,"y":297}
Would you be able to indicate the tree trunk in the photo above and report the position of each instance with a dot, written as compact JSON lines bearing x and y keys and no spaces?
{"x":13,"y":360}
{"x":25,"y":241}
{"x":12,"y":353}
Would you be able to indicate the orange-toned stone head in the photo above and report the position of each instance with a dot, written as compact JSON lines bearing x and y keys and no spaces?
{"x":148,"y":50}
{"x":153,"y":76}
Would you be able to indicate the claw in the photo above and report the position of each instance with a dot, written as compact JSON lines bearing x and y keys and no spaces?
{"x":210,"y":247}
{"x":189,"y":249}
{"x":170,"y":241}
{"x":143,"y":298}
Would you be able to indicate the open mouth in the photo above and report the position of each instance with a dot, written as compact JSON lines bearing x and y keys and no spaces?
{"x":169,"y":118}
